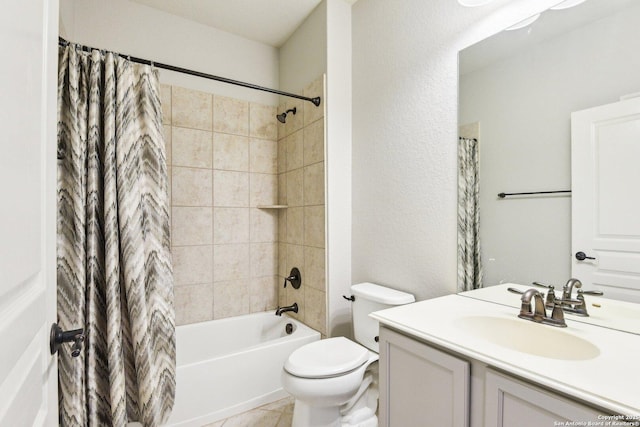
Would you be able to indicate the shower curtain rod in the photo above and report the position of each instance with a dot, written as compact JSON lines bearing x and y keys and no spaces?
{"x":315,"y":101}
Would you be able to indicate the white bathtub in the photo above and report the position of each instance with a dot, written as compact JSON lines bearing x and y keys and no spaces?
{"x":231,"y":365}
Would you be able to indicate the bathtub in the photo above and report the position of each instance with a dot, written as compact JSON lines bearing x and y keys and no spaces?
{"x":228,"y":366}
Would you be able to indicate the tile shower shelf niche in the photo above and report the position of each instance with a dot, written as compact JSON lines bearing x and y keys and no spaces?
{"x":272,"y":206}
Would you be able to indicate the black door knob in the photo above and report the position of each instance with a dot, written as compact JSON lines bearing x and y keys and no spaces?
{"x":581,"y":256}
{"x":58,"y":337}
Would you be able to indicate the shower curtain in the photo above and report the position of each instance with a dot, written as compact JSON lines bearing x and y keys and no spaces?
{"x":113,"y":259}
{"x":469,"y":263}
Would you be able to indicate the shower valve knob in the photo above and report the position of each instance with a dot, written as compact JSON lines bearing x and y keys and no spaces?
{"x":295,"y":278}
{"x":58,"y":337}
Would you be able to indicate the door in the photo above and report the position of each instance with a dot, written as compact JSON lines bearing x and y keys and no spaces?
{"x":605,"y":179}
{"x":420,"y":385}
{"x":28,"y":72}
{"x":513,"y":403}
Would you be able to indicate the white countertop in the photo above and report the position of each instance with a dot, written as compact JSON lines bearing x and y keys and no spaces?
{"x":608,"y":380}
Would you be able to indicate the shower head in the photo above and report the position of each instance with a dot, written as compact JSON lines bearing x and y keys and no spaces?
{"x":282,"y":118}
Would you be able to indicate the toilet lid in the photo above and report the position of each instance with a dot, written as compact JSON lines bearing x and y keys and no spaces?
{"x":326,"y":358}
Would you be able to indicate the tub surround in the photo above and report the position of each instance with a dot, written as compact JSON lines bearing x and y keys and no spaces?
{"x":301,"y":187}
{"x":598,"y":379}
{"x":230,"y":161}
{"x":222,"y":160}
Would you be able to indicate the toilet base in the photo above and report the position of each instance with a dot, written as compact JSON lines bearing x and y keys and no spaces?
{"x":359,"y":411}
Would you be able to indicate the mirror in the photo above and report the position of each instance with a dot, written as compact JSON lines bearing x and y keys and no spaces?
{"x":517,"y":90}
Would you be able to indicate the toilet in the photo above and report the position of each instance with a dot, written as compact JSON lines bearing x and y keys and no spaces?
{"x":335,"y":381}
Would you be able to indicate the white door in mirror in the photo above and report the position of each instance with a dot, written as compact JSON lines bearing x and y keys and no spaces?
{"x":605,"y":180}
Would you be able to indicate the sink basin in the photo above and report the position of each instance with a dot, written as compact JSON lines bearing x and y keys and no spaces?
{"x":529,"y":337}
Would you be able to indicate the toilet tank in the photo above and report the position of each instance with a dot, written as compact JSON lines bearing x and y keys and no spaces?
{"x":370,"y":297}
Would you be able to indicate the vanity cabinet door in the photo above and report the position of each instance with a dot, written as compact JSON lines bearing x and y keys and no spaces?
{"x":513,"y":403}
{"x":421,"y":386}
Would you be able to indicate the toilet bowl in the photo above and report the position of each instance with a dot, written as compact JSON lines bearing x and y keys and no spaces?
{"x":334,"y":381}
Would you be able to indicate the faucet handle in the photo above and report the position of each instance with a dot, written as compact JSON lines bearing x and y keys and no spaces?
{"x":543,"y":285}
{"x":595,"y":293}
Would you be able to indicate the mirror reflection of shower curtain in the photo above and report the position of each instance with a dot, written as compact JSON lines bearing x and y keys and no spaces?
{"x":469,"y":262}
{"x":113,"y":257}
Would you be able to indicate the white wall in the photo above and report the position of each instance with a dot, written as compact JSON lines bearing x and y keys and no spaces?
{"x":338,"y":155}
{"x":137,"y":30}
{"x":523,"y":105}
{"x":303,"y":57}
{"x":405,"y":135}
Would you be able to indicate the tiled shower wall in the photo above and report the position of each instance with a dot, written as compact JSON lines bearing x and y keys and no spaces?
{"x":222,"y":157}
{"x":226,"y":157}
{"x":301,"y":185}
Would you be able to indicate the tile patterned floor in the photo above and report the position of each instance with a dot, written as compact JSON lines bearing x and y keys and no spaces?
{"x":276,"y":414}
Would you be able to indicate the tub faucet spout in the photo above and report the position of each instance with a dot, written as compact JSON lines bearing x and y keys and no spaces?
{"x":281,"y":310}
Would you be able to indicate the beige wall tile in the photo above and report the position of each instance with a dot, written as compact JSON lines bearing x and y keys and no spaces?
{"x":314,"y":226}
{"x":166,"y":131}
{"x":282,"y":128}
{"x":282,"y":260}
{"x":263,"y":293}
{"x":314,"y":184}
{"x":314,"y":267}
{"x":295,"y":226}
{"x":263,"y":189}
{"x":282,"y":295}
{"x":282,"y":155}
{"x":231,"y":262}
{"x":165,"y":100}
{"x":230,"y":225}
{"x":230,"y":152}
{"x":311,"y":112}
{"x":295,"y":258}
{"x":295,"y":183}
{"x":192,"y":264}
{"x":191,"y":108}
{"x":314,"y":142}
{"x":264,"y":225}
{"x":192,"y":226}
{"x":193,"y":303}
{"x":262,"y":121}
{"x":294,"y":121}
{"x":230,"y":189}
{"x":230,"y":298}
{"x":282,"y":225}
{"x":315,"y":306}
{"x":191,"y":147}
{"x":264,"y":259}
{"x":282,"y":189}
{"x":295,"y":147}
{"x":192,"y":187}
{"x":263,"y":155}
{"x":297,"y":296}
{"x":230,"y":115}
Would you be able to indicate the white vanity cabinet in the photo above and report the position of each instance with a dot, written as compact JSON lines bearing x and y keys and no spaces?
{"x":509,"y":402}
{"x":421,"y":386}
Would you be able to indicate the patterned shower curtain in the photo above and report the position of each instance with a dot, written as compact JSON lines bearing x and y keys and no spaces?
{"x":469,"y":263}
{"x":114,"y":264}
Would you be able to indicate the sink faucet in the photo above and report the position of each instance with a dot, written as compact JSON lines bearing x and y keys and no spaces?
{"x":539,"y":312}
{"x":281,"y":310}
{"x":568,"y":288}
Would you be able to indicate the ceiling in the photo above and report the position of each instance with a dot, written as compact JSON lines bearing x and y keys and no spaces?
{"x":266,"y":21}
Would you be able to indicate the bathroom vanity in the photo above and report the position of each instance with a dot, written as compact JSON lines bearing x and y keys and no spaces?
{"x":459,"y":361}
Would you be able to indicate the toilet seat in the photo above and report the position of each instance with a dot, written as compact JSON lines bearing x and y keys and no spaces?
{"x":326,"y":358}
